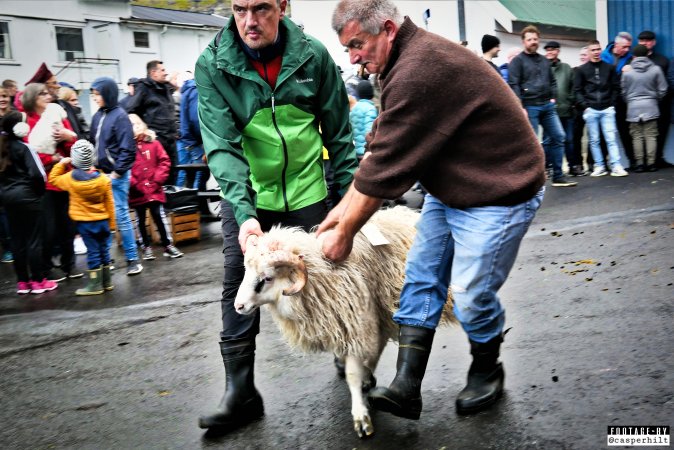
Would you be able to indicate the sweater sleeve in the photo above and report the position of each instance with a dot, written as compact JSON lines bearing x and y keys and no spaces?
{"x":411,"y":140}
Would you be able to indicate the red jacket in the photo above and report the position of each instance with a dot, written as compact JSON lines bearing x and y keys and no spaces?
{"x":63,"y":148}
{"x":149,"y":173}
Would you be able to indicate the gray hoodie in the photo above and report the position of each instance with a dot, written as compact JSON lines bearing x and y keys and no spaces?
{"x":642,"y":87}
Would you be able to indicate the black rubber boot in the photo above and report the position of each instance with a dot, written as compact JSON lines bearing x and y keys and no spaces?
{"x":242,"y":402}
{"x":485,"y":378}
{"x":403,"y":397}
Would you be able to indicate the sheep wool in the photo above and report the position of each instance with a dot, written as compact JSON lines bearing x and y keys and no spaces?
{"x":343,"y":308}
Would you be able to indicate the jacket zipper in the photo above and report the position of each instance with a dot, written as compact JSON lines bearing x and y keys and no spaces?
{"x":285,"y":153}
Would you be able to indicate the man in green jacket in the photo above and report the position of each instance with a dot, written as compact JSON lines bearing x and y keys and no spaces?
{"x":264,"y":89}
{"x":565,"y":100}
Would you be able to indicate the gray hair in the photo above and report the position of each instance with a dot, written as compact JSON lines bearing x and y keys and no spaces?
{"x":30,"y":95}
{"x":624,"y":35}
{"x":370,"y":14}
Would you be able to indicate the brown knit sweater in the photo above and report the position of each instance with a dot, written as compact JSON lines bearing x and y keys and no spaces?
{"x":451,"y":122}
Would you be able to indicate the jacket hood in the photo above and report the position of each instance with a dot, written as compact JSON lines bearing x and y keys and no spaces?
{"x":108,"y":89}
{"x":641,"y":63}
{"x":187,"y":85}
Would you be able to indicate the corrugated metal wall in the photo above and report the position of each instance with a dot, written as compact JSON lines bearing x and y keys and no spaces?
{"x":636,"y":16}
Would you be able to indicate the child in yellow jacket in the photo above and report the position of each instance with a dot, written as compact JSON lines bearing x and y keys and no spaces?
{"x":92,"y":208}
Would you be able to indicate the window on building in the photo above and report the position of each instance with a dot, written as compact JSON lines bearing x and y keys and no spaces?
{"x":69,"y":43}
{"x":141,"y":39}
{"x":5,"y":50}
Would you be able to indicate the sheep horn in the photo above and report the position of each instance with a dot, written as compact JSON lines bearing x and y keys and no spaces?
{"x":280,"y":258}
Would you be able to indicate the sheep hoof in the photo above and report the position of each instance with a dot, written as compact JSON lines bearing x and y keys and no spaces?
{"x":363,"y":427}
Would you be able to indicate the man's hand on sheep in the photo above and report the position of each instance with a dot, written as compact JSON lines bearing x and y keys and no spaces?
{"x":344,"y":221}
{"x":250,"y":227}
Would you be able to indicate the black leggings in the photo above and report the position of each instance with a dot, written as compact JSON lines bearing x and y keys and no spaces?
{"x":159,"y":219}
{"x":59,"y":230}
{"x":27,"y":229}
{"x":234,"y":325}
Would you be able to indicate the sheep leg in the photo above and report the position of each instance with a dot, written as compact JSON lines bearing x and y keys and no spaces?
{"x":356,"y":372}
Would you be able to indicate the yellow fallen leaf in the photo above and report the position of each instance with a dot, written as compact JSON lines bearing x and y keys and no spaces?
{"x":164,"y":393}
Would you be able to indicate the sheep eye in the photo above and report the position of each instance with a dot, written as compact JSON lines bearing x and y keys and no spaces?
{"x":259,"y":285}
{"x":268,"y":279}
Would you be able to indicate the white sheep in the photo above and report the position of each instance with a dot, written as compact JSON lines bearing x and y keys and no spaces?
{"x":341,"y":308}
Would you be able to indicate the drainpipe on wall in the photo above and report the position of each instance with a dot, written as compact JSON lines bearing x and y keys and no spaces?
{"x":462,"y":20}
{"x":161,"y":47}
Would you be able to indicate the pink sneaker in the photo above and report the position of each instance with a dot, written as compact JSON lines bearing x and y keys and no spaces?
{"x":23,"y":287}
{"x":38,"y":287}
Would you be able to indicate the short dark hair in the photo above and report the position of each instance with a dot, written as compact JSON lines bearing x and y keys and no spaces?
{"x":7,"y":84}
{"x":151,"y":65}
{"x":530,"y":29}
{"x":593,"y":42}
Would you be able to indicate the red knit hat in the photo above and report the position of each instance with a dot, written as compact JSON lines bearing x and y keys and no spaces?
{"x":42,"y":75}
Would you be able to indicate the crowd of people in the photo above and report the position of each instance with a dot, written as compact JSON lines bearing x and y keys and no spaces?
{"x":62,"y":178}
{"x":269,"y":112}
{"x":621,"y":93}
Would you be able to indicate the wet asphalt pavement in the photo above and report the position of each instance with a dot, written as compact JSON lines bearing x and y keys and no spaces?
{"x":590,"y":302}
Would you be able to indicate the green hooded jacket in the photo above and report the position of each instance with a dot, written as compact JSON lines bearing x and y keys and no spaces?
{"x":264,"y":146}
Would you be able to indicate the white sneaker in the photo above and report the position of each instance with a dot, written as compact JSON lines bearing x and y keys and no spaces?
{"x":618,"y":171}
{"x":599,"y":171}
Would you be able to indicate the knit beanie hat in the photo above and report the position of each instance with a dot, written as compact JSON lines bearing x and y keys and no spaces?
{"x":489,"y":42}
{"x":364,"y":90}
{"x":82,"y":154}
{"x":640,"y":50}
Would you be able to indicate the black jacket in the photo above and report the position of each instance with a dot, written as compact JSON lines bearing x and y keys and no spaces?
{"x":81,"y":131}
{"x":596,"y":86}
{"x":530,"y":76}
{"x":23,"y":181}
{"x":153,"y":102}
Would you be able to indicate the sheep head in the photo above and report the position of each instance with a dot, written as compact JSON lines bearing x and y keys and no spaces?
{"x":271,"y":272}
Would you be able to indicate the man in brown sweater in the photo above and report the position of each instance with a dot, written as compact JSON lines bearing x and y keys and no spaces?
{"x":449,"y":122}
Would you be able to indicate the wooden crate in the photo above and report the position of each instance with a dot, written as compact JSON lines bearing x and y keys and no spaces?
{"x":182,"y":226}
{"x":185,"y":226}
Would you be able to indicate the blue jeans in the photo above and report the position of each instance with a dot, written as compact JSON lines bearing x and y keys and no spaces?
{"x":96,"y":236}
{"x":120,"y":194}
{"x":546,"y":116}
{"x":606,"y":119}
{"x":567,"y":126}
{"x":189,"y":155}
{"x":474,"y":250}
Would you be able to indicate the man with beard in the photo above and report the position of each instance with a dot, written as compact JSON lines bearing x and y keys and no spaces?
{"x":531,"y":78}
{"x":264,"y":87}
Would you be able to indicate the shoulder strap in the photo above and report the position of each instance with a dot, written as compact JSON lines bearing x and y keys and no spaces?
{"x":218,"y":37}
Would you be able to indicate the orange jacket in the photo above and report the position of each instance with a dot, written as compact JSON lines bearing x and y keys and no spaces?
{"x":90,"y":200}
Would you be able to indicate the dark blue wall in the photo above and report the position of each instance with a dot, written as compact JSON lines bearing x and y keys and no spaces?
{"x":636,"y":16}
